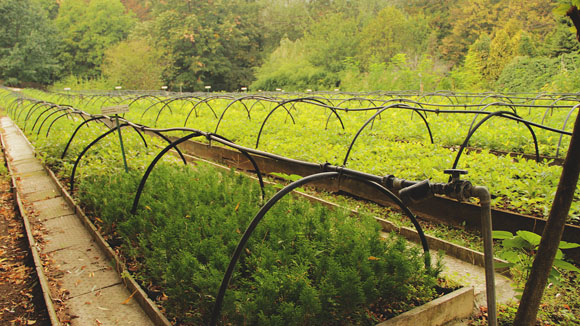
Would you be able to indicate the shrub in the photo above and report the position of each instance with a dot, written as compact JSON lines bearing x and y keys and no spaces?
{"x":304,"y":265}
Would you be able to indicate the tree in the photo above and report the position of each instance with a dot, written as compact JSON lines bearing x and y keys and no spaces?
{"x":502,"y":49}
{"x":561,"y":40}
{"x":215,"y":44}
{"x":135,"y":65}
{"x":28,"y":43}
{"x":331,"y":41}
{"x":288,"y":68}
{"x":472,"y":75}
{"x":88,"y":30}
{"x":380,"y":38}
{"x":525,"y":74}
{"x":552,"y":234}
{"x":471,"y":18}
{"x":49,"y":6}
{"x":391,"y":32}
{"x":437,"y":13}
{"x":139,"y":7}
{"x":283,"y":19}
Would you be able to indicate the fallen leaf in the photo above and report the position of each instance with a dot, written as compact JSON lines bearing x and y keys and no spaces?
{"x":129,"y":298}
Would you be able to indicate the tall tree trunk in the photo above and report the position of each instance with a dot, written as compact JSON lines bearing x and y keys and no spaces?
{"x":574,"y":15}
{"x":552,"y":234}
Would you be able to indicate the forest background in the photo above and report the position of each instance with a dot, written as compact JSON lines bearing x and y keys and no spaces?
{"x":351,"y":45}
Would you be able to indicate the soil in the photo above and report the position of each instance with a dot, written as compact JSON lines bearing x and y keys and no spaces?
{"x":21,"y":300}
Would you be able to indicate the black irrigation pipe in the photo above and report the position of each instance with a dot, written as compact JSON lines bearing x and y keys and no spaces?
{"x":67,"y":109}
{"x":372,"y":118}
{"x":33,"y":109}
{"x":75,"y":132}
{"x":277,"y":197}
{"x":480,"y":123}
{"x":162,"y":136}
{"x":97,"y":118}
{"x":194,"y":107}
{"x":158,"y":132}
{"x":436,"y":111}
{"x":140,"y":97}
{"x":174,"y":144}
{"x":488,"y":105}
{"x":160,"y":102}
{"x":41,"y":114}
{"x":251,"y":159}
{"x":18,"y":102}
{"x":152,"y":165}
{"x":359,"y":99}
{"x":72,"y":176}
{"x":300,"y":100}
{"x":68,"y":114}
{"x":166,"y":104}
{"x":227,"y":108}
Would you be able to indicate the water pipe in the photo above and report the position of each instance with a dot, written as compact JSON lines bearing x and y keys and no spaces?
{"x":413,"y":192}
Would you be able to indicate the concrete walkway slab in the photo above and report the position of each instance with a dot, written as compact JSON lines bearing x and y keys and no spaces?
{"x":79,"y":261}
{"x":470,"y":275}
{"x":64,"y":233}
{"x":46,"y":209}
{"x":94,"y":293}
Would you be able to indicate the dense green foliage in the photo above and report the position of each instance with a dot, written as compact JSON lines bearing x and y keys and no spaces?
{"x":88,"y":30}
{"x":397,"y":142}
{"x":28,"y":44}
{"x":304,"y":265}
{"x":135,"y":64}
{"x":293,"y":45}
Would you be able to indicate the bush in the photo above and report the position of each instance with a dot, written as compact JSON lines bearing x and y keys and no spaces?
{"x":79,"y":83}
{"x":304,"y":264}
{"x":135,"y":65}
{"x":525,"y":74}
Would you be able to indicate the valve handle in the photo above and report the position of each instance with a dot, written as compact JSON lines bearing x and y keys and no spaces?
{"x":455,"y":173}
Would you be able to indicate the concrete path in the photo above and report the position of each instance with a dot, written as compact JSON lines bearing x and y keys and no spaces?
{"x":84,"y":286}
{"x":470,"y":275}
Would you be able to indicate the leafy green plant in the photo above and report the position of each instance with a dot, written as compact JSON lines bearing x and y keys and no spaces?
{"x":519,"y":251}
{"x":396,"y":144}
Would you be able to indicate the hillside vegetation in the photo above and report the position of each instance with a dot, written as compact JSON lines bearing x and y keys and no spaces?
{"x":353,"y":45}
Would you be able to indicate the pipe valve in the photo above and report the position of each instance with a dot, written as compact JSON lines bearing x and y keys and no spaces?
{"x":457,"y":188}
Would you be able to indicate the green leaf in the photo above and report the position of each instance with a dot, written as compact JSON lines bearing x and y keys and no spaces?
{"x":530,"y":237}
{"x":568,"y":245}
{"x":497,"y":234}
{"x":554,"y":276}
{"x":516,"y":243}
{"x":566,"y":266}
{"x":561,"y":9}
{"x":511,"y":256}
{"x":287,"y":177}
{"x":500,"y":265}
